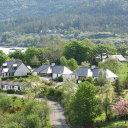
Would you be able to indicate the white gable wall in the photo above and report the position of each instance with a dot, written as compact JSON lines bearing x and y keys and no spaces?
{"x":49,"y":70}
{"x":67,"y":71}
{"x":111,"y":75}
{"x":22,"y":70}
{"x":90,"y":73}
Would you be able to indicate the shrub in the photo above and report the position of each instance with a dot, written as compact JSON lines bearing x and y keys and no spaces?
{"x":1,"y":90}
{"x":29,"y":73}
{"x":11,"y":91}
{"x":58,"y":92}
{"x":60,"y":79}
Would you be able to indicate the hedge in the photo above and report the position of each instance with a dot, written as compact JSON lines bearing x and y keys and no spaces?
{"x":13,"y":77}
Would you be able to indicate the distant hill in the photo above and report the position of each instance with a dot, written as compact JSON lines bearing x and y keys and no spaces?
{"x":15,"y":8}
{"x":100,"y":7}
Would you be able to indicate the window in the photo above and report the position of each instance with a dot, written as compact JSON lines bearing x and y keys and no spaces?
{"x":6,"y":87}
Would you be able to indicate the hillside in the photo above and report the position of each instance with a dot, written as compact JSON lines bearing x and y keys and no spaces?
{"x":15,"y":8}
{"x":100,"y":7}
{"x":99,"y":20}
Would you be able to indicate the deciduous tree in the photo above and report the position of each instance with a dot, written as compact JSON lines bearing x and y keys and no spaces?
{"x":112,"y":64}
{"x":84,"y":105}
{"x":120,"y":107}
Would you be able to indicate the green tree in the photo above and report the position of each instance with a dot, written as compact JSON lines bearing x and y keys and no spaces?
{"x":104,"y":49}
{"x":35,"y":61}
{"x":72,"y":64}
{"x":112,"y":64}
{"x":17,"y":54}
{"x":106,"y":95}
{"x":77,"y":50}
{"x":63,"y":61}
{"x":122,"y":50}
{"x":102,"y":78}
{"x":84,"y":105}
{"x":3,"y":57}
{"x":33,"y":84}
{"x":29,"y":54}
{"x":118,"y":88}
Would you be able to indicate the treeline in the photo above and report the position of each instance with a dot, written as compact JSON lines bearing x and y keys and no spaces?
{"x":71,"y":54}
{"x":12,"y":9}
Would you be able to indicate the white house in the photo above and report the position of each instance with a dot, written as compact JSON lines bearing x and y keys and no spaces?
{"x":119,"y":57}
{"x":84,"y":72}
{"x":53,"y":71}
{"x":5,"y":85}
{"x":13,"y":68}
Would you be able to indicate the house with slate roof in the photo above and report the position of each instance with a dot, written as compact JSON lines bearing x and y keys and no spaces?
{"x":13,"y":68}
{"x":53,"y":71}
{"x":84,"y":72}
{"x":119,"y":57}
{"x":5,"y":85}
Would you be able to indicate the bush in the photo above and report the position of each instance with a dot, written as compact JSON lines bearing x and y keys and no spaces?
{"x":11,"y":91}
{"x":29,"y":73}
{"x":60,"y":79}
{"x":13,"y":77}
{"x":58,"y":92}
{"x":1,"y":90}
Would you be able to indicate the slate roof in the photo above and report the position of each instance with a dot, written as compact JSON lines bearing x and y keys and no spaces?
{"x":55,"y":69}
{"x":9,"y":66}
{"x":83,"y":72}
{"x":11,"y":83}
{"x":119,"y":57}
{"x":42,"y":68}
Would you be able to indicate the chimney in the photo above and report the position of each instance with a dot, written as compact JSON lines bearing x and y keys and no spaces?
{"x":93,"y":66}
{"x":52,"y":64}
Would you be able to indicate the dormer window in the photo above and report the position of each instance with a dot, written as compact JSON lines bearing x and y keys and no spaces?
{"x":4,"y":65}
{"x":14,"y":66}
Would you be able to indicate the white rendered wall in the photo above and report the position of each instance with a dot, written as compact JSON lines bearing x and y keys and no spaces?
{"x":49,"y":70}
{"x":89,"y":73}
{"x":67,"y":71}
{"x":35,"y":73}
{"x":22,"y":70}
{"x":54,"y":76}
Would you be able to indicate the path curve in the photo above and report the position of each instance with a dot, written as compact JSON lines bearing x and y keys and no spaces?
{"x":57,"y":116}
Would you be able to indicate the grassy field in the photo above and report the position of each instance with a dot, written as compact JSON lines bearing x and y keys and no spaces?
{"x":124,"y":72}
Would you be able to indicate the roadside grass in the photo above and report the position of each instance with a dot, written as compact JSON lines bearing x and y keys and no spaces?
{"x":124,"y":72}
{"x":110,"y":124}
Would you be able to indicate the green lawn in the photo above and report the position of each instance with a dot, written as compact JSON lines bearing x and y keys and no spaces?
{"x":123,"y":73}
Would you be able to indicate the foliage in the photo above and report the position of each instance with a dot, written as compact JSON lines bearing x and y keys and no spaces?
{"x":77,"y":50}
{"x":30,"y":53}
{"x":118,"y":88}
{"x":85,"y":64}
{"x":84,"y":105}
{"x":122,"y":50}
{"x":112,"y":64}
{"x":17,"y":54}
{"x":11,"y":91}
{"x":5,"y":103}
{"x":68,"y":93}
{"x":33,"y":84}
{"x":104,"y":50}
{"x":71,"y":63}
{"x":13,"y":77}
{"x":106,"y":95}
{"x":102,"y":78}
{"x":29,"y":73}
{"x":89,"y":79}
{"x":60,"y":79}
{"x":120,"y":107}
{"x":3,"y":57}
